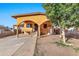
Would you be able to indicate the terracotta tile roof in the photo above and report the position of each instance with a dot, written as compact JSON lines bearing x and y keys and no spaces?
{"x":28,"y":14}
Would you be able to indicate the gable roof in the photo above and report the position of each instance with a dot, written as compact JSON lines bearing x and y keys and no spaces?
{"x":28,"y":14}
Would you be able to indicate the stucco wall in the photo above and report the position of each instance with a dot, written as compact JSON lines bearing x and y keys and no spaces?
{"x":39,"y":19}
{"x":28,"y":29}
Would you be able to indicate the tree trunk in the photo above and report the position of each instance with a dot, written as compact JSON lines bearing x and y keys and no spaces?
{"x":52,"y":30}
{"x":63,"y":36}
{"x":60,"y":33}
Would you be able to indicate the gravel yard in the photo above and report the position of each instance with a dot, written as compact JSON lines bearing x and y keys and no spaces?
{"x":46,"y":47}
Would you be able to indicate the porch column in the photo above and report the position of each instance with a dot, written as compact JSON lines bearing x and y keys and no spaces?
{"x":33,"y":27}
{"x":17,"y":34}
{"x":24,"y":28}
{"x":38,"y":31}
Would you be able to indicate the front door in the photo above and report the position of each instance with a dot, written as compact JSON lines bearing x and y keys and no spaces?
{"x":35,"y":27}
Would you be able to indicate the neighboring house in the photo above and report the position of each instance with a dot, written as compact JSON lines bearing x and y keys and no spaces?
{"x":1,"y":31}
{"x":5,"y":31}
{"x":34,"y":22}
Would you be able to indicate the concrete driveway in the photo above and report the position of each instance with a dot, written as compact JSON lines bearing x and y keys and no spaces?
{"x":24,"y":45}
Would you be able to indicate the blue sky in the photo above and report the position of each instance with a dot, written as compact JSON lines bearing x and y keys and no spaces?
{"x":9,"y":9}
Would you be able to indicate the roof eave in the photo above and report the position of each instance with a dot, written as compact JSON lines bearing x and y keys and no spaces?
{"x":23,"y":15}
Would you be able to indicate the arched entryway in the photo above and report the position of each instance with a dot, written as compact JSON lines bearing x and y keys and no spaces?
{"x":30,"y":26}
{"x":35,"y":27}
{"x":41,"y":29}
{"x":45,"y":27}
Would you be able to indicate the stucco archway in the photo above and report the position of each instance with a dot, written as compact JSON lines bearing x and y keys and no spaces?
{"x":45,"y":27}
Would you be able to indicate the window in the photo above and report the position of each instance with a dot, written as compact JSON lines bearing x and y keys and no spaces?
{"x":45,"y":25}
{"x":29,"y":25}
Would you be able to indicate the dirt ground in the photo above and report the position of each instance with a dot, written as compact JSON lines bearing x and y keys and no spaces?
{"x":47,"y":47}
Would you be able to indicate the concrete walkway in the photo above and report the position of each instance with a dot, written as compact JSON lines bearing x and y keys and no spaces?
{"x":12,"y":46}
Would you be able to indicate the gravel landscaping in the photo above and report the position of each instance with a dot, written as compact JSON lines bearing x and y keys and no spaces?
{"x":47,"y":47}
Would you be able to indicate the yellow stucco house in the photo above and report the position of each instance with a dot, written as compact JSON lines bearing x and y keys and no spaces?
{"x":34,"y":22}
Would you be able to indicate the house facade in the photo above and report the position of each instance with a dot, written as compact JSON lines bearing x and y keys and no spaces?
{"x":33,"y":22}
